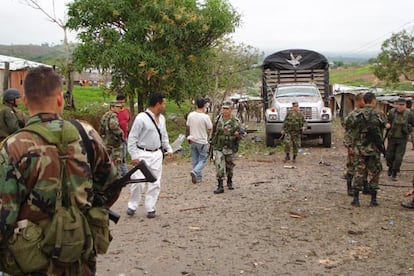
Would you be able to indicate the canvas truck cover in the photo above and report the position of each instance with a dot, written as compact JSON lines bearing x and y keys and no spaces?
{"x":295,"y":59}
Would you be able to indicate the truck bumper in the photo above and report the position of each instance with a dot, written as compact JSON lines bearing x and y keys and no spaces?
{"x":313,"y":128}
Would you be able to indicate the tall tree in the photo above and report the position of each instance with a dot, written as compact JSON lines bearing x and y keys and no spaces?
{"x":396,"y":60}
{"x":149,"y":45}
{"x":68,"y":66}
{"x":231,"y":67}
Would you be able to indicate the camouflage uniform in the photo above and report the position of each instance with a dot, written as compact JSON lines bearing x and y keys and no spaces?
{"x":350,"y":137}
{"x":30,"y":173}
{"x":401,"y":123}
{"x":367,"y":155}
{"x":292,"y":127}
{"x":111,"y":134}
{"x":11,"y":120}
{"x":223,"y":143}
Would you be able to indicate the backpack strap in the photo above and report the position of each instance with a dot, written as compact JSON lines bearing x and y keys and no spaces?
{"x":155,"y":124}
{"x":86,"y":142}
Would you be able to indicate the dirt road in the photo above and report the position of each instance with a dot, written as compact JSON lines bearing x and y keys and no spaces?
{"x":277,"y":221}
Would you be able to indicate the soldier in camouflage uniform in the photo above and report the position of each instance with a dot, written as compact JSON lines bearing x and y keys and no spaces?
{"x":30,"y":169}
{"x":292,"y":129}
{"x":369,"y":130}
{"x":350,"y":138}
{"x":225,"y":133}
{"x":11,"y":119}
{"x":112,"y":134}
{"x":399,"y":121}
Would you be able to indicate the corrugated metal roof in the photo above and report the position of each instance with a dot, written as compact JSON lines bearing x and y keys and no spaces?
{"x":18,"y":63}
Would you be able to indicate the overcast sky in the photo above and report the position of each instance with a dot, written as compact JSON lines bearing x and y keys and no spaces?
{"x":347,"y":26}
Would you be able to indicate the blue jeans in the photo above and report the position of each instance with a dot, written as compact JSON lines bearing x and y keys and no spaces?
{"x":199,"y":156}
{"x":124,"y":168}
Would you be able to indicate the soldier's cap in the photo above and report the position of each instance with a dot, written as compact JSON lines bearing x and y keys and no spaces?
{"x":115,"y":103}
{"x":227,"y":104}
{"x":401,"y":101}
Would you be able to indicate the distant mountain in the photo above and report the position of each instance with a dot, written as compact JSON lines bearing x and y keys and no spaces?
{"x":39,"y":53}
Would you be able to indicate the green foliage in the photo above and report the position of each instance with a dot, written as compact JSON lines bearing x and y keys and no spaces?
{"x":396,"y":60}
{"x":150,"y":45}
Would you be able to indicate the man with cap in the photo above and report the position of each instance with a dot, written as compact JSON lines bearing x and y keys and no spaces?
{"x":112,"y":134}
{"x":11,"y":119}
{"x":399,"y":121}
{"x":226,"y":132}
{"x":292,"y":128}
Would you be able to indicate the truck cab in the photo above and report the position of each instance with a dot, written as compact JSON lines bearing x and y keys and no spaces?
{"x":311,"y":104}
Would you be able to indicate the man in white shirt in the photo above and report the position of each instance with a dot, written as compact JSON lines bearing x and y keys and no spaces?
{"x":147,"y":140}
{"x":198,"y":129}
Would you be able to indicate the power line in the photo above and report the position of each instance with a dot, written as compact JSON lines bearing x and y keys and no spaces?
{"x":380,"y":39}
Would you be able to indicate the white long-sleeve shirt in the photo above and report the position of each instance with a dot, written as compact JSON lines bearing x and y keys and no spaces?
{"x":145,"y":135}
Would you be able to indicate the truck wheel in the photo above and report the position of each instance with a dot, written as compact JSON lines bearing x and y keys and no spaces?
{"x":270,"y":140}
{"x":327,"y":140}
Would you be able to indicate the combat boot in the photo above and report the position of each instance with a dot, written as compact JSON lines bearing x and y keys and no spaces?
{"x":220,"y":188}
{"x":349,"y":184}
{"x":355,"y":200}
{"x":294,"y":158}
{"x":409,"y":205}
{"x":394,"y":175}
{"x":287,"y":157}
{"x":389,"y":171}
{"x":230,"y":183}
{"x":366,"y":189}
{"x":373,"y":198}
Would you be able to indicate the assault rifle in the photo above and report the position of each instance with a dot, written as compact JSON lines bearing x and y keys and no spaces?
{"x":101,"y":198}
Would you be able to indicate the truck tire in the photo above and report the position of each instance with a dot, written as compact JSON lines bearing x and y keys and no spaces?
{"x":270,"y":140}
{"x":327,"y":140}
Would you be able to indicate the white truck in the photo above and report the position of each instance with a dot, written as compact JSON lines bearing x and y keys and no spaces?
{"x":302,"y":76}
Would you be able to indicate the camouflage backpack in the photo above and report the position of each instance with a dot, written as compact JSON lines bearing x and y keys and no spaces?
{"x":67,"y":237}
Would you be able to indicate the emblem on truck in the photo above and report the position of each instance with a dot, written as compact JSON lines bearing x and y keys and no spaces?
{"x":294,"y":61}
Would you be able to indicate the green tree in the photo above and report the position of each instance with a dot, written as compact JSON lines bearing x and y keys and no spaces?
{"x":231,"y":67}
{"x":150,"y":45}
{"x":396,"y":59}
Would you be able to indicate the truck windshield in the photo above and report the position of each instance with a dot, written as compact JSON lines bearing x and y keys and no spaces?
{"x":297,"y":91}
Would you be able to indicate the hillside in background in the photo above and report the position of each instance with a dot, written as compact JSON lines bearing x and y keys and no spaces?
{"x":49,"y":54}
{"x":40,"y":53}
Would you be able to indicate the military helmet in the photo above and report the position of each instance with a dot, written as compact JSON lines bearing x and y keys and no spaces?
{"x":10,"y":94}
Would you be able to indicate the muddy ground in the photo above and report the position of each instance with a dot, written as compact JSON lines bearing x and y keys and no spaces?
{"x":277,"y":221}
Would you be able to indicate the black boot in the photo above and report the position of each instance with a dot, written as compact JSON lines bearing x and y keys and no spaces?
{"x":287,"y":157}
{"x":349,"y":184}
{"x":294,"y":158}
{"x":220,"y":188}
{"x":394,"y":175}
{"x":230,"y":183}
{"x":366,"y":189}
{"x":373,"y":198}
{"x":389,"y":171}
{"x":355,"y":200}
{"x":409,"y":205}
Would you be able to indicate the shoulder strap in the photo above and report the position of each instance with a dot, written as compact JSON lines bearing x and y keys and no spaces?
{"x":60,"y":139}
{"x":86,"y":141}
{"x":155,"y":124}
